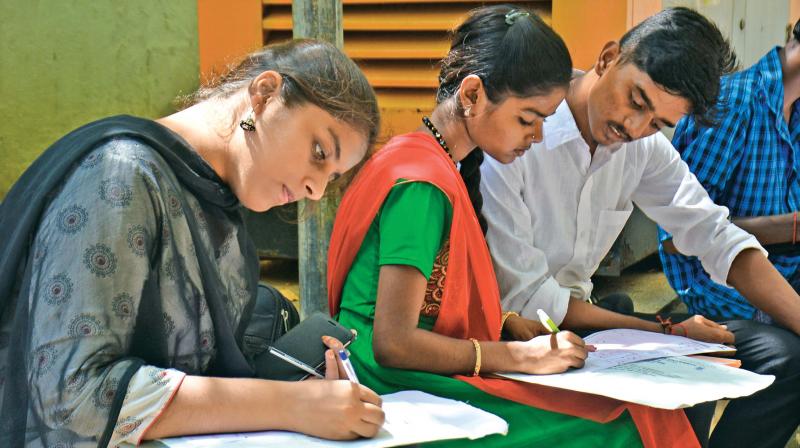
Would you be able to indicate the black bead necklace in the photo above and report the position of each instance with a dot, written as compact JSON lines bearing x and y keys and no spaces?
{"x":438,"y":136}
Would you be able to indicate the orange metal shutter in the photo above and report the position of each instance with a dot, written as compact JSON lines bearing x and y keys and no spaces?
{"x":398,"y":45}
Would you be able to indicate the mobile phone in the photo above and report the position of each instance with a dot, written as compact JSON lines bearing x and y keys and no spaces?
{"x":304,"y":343}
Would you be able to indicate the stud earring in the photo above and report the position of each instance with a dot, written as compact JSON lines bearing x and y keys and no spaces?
{"x":249,"y":122}
{"x":467,"y":111}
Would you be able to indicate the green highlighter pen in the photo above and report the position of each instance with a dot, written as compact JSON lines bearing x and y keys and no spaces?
{"x":546,"y":321}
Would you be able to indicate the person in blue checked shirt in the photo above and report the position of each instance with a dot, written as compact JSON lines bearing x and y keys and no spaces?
{"x":749,"y":163}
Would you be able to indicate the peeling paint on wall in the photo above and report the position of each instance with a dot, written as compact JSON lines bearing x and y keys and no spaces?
{"x":65,"y":63}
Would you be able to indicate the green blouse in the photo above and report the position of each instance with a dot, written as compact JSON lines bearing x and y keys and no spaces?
{"x":410,"y":229}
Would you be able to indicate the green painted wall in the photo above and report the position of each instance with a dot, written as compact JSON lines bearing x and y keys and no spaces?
{"x":64,"y":63}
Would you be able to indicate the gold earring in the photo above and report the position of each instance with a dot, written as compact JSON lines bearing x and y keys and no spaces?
{"x":249,"y":122}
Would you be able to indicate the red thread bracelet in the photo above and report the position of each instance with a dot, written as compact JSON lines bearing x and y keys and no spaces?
{"x":677,"y":326}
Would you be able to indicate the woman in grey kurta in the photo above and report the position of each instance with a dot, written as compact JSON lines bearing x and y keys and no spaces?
{"x":118,"y":220}
{"x":128,"y":273}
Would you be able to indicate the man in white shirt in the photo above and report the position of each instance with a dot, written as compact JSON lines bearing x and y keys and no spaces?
{"x":554,"y":213}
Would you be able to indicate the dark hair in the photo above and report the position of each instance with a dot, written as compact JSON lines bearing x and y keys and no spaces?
{"x":522,"y":59}
{"x":515,"y":54}
{"x":684,"y":53}
{"x":796,"y":31}
{"x":313,"y":72}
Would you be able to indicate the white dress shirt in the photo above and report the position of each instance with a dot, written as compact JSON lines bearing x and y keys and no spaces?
{"x":554,"y":213}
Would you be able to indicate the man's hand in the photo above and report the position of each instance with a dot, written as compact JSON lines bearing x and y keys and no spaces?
{"x":699,"y":328}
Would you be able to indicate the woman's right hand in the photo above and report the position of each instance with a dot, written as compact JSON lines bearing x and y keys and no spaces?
{"x":553,"y":353}
{"x":337,"y":410}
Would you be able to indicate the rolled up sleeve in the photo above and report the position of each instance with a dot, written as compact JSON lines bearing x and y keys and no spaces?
{"x":672,"y":197}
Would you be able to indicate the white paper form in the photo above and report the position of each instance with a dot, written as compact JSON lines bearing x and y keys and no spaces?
{"x":666,"y":383}
{"x":411,"y":417}
{"x":623,"y":346}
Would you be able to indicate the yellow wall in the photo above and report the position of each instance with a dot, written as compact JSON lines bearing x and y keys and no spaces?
{"x":66,"y":63}
{"x":587,"y":25}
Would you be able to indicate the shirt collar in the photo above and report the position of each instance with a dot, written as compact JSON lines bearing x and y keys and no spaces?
{"x":560,"y":127}
{"x":770,"y":79}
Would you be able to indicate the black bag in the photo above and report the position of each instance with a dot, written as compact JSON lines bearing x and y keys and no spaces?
{"x":273,"y":316}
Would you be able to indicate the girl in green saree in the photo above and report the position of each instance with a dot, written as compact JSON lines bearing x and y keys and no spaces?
{"x":410,"y":271}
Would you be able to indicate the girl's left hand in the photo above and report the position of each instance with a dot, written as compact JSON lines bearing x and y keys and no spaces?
{"x":334,"y":369}
{"x":517,"y":328}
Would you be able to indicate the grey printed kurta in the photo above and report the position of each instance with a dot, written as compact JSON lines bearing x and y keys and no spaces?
{"x":113,"y":237}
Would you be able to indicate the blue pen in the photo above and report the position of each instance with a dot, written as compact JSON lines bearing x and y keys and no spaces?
{"x":348,"y":367}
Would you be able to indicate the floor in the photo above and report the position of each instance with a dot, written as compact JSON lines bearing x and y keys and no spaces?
{"x":646,"y":284}
{"x":283,"y":275}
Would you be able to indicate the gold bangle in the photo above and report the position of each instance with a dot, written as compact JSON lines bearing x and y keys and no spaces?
{"x":506,"y":315}
{"x":477,"y":356}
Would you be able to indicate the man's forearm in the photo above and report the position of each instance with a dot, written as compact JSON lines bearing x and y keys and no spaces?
{"x":774,"y":229}
{"x":765,"y":288}
{"x":583,"y":315}
{"x":768,"y":230}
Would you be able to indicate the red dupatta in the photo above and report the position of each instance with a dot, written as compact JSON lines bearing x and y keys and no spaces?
{"x":470,"y":306}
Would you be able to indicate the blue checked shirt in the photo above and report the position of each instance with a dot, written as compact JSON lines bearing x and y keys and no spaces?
{"x":749,"y":162}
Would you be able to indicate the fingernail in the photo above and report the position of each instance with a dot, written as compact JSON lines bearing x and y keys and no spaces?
{"x":591,"y":348}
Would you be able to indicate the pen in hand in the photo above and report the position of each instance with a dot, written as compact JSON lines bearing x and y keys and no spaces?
{"x":351,"y":373}
{"x":551,"y":326}
{"x":348,"y":366}
{"x":546,"y":321}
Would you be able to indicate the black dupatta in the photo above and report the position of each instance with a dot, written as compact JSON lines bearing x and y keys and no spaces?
{"x":20,"y":213}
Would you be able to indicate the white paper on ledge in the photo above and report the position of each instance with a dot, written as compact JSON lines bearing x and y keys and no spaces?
{"x":666,"y":383}
{"x":411,"y":417}
{"x":623,"y":346}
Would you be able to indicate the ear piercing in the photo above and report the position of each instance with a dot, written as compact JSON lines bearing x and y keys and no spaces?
{"x":249,"y":122}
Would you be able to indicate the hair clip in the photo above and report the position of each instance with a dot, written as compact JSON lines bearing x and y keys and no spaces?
{"x":513,"y":16}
